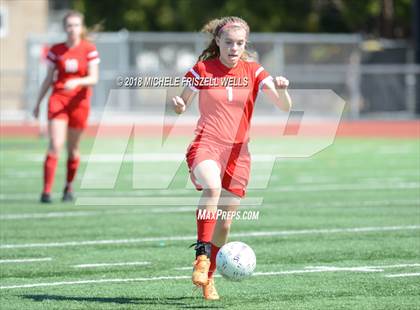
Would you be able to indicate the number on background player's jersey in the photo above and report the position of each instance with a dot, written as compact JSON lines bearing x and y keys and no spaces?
{"x":72,"y":62}
{"x":71,"y":65}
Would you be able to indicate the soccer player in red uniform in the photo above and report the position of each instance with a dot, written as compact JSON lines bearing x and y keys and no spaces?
{"x":218,"y":158}
{"x":72,"y":70}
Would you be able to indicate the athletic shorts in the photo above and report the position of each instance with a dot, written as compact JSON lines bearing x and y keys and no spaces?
{"x":234,"y":162}
{"x":75,"y":110}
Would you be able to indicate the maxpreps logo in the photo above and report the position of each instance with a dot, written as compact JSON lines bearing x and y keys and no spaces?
{"x":248,"y":215}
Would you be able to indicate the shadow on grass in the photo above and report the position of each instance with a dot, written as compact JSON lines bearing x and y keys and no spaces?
{"x":184,"y":302}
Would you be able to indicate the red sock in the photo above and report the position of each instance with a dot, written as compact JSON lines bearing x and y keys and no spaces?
{"x":205,"y":227}
{"x":50,"y":165}
{"x":72,"y":165}
{"x":213,"y":254}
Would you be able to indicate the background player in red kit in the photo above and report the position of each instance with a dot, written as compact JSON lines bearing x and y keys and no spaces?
{"x":75,"y":64}
{"x":218,"y":158}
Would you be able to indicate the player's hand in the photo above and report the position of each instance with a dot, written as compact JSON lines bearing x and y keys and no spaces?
{"x":281,"y":82}
{"x":71,"y":84}
{"x":35,"y":112}
{"x":179,"y":104}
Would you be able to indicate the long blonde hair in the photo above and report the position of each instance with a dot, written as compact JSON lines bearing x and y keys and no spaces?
{"x":215,"y":29}
{"x":86,"y":33}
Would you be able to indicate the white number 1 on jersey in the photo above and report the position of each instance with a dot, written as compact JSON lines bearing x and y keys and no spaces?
{"x":229,"y":93}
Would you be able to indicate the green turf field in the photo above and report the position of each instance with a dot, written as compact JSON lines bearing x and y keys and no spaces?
{"x":340,"y":230}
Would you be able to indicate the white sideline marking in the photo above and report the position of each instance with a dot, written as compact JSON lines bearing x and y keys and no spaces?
{"x":325,"y":231}
{"x":180,"y":156}
{"x":400,"y":275}
{"x":369,"y":267}
{"x":332,"y":268}
{"x":151,"y":209}
{"x":271,"y":273}
{"x":347,"y":187}
{"x":111,"y":264}
{"x":25,"y":260}
{"x":22,"y":216}
{"x":180,"y":238}
{"x":146,"y":157}
{"x":361,"y":268}
{"x":291,"y":189}
{"x":95,"y":281}
{"x":357,"y":269}
{"x":153,"y":200}
{"x":18,"y":216}
{"x":393,"y":266}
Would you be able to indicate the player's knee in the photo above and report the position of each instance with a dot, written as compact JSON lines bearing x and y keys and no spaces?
{"x":213,"y":192}
{"x":73,"y":153}
{"x":55,"y":148}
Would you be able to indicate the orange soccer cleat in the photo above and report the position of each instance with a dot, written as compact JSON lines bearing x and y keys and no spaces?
{"x":209,"y":290}
{"x":201,"y":270}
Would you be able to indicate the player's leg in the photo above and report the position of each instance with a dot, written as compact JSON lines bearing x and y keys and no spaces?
{"x":206,"y":174}
{"x":234,"y":182}
{"x":78,"y":115}
{"x":57,"y":134}
{"x":73,"y":160}
{"x":228,"y":202}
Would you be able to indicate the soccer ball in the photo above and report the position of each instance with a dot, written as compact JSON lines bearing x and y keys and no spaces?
{"x":236,"y":261}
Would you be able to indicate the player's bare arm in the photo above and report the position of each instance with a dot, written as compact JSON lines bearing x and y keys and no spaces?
{"x":44,"y":88}
{"x":181,"y":102}
{"x":276,"y":90}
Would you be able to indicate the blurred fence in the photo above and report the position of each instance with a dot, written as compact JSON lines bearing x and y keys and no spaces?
{"x":373,"y":77}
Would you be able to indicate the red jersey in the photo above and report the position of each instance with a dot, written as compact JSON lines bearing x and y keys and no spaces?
{"x":72,"y":62}
{"x":226,"y":98}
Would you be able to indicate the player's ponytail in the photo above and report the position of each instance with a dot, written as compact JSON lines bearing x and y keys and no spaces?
{"x":215,"y":28}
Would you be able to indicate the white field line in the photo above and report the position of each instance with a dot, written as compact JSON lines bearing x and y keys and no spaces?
{"x":17,"y":216}
{"x":13,"y":177}
{"x":183,"y":268}
{"x":111,"y":264}
{"x":370,"y":267}
{"x":356,"y":269}
{"x":180,"y":238}
{"x":400,"y":275}
{"x":151,"y":209}
{"x":95,"y":281}
{"x":146,"y":157}
{"x":153,"y":200}
{"x":393,"y":150}
{"x":361,"y":268}
{"x":347,"y":187}
{"x":89,"y":195}
{"x":180,"y":156}
{"x":332,"y":268}
{"x":272,"y":273}
{"x":25,"y":260}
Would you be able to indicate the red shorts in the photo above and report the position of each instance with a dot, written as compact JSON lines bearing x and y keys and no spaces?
{"x":75,"y":110}
{"x":234,"y":162}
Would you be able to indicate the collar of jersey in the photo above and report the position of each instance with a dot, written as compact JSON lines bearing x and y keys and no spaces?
{"x":225,"y":68}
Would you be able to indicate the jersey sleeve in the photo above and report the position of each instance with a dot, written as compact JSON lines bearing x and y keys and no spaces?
{"x":192,"y":78}
{"x":261,"y":76}
{"x":52,"y":56}
{"x":92,"y":55}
